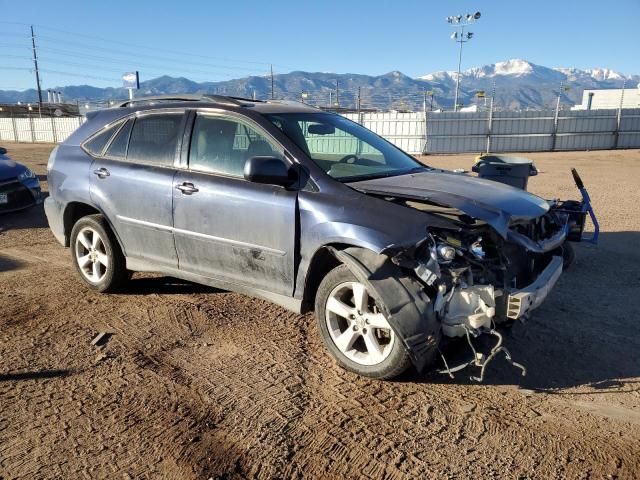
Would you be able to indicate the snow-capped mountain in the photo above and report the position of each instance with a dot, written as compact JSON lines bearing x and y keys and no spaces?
{"x":519,"y":84}
{"x":517,"y":67}
{"x":522,"y":84}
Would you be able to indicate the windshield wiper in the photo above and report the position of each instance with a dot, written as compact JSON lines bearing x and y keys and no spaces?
{"x":373,"y":176}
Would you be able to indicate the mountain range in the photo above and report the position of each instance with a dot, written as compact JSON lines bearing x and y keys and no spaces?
{"x":518,"y":84}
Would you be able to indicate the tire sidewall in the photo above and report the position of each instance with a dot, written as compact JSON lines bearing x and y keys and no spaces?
{"x":397,"y":361}
{"x":107,"y":240}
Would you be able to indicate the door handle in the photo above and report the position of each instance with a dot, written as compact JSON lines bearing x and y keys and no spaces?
{"x":187,"y":188}
{"x":101,"y":172}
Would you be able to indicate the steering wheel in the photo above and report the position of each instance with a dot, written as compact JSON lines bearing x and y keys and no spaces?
{"x":350,"y":159}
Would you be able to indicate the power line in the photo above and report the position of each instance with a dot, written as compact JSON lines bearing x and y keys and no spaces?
{"x":147,"y":47}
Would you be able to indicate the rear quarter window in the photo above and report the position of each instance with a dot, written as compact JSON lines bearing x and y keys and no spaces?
{"x":97,"y":143}
{"x":154,"y":139}
{"x":118,"y":146}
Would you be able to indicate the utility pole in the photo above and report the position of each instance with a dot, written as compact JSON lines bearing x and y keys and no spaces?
{"x":272,"y":91}
{"x":35,"y":64}
{"x":424,"y":109}
{"x":358,"y":107}
{"x":330,"y":98}
{"x":619,"y":115}
{"x":337,"y":94}
{"x":490,"y":125}
{"x":556,"y":116}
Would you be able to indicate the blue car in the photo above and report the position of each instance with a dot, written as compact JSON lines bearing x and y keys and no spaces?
{"x":309,"y":210}
{"x":19,"y":186}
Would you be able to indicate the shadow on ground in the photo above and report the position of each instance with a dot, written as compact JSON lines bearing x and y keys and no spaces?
{"x":32,"y":217}
{"x":9,"y":263}
{"x":35,"y":375}
{"x":164,"y":285}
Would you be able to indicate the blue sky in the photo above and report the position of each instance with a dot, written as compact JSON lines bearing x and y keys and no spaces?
{"x":215,"y":40}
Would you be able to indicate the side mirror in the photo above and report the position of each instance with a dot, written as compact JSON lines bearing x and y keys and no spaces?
{"x":267,"y":170}
{"x":3,"y":150}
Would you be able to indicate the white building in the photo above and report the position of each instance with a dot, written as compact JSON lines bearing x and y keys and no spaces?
{"x":609,"y":98}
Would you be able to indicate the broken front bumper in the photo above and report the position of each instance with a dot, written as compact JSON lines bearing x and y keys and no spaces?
{"x":522,"y":302}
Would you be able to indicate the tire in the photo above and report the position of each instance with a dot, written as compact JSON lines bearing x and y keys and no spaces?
{"x":359,"y":352}
{"x":99,"y":263}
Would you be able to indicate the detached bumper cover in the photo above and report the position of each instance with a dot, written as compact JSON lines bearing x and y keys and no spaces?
{"x":522,"y":302}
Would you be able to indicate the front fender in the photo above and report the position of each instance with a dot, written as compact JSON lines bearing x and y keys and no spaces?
{"x":407,"y":307}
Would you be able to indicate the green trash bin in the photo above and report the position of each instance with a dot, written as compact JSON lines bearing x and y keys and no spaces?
{"x":514,"y":171}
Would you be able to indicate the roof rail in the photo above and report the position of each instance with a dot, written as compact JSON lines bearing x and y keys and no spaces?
{"x":185,"y":97}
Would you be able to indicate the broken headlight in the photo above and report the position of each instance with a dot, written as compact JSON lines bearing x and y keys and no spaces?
{"x":445,"y":253}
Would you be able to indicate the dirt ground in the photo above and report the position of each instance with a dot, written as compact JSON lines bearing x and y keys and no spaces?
{"x":197,"y":383}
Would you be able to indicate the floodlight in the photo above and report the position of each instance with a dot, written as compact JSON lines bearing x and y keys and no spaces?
{"x":458,"y":18}
{"x":476,"y":15}
{"x":469,"y":35}
{"x":454,"y":36}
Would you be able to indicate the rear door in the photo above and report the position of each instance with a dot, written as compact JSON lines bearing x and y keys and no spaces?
{"x":133,"y":184}
{"x":224,"y":226}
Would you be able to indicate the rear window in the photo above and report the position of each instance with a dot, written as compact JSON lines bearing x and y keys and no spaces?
{"x":96,"y":145}
{"x":154,"y":139}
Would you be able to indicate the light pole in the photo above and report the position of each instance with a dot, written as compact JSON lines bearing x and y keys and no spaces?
{"x":460,"y":21}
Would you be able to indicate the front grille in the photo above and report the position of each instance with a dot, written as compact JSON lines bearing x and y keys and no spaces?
{"x":18,"y":196}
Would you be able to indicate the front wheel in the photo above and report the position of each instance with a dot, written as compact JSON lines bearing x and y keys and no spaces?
{"x":355,"y":330}
{"x":96,"y":254}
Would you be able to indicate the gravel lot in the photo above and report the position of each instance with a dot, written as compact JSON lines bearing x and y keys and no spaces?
{"x":200,"y":383}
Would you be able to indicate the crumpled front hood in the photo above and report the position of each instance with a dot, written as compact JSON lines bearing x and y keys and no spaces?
{"x":486,"y":200}
{"x":9,"y":168}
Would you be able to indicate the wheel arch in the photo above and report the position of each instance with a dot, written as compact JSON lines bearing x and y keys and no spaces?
{"x":74,"y":211}
{"x":322,"y":262}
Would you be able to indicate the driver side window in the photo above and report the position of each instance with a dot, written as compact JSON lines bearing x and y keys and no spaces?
{"x":223,"y":145}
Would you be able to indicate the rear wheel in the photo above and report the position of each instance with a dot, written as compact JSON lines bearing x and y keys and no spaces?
{"x":355,"y":330}
{"x":96,"y":254}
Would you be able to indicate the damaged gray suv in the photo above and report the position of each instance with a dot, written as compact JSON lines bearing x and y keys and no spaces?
{"x":311,"y":211}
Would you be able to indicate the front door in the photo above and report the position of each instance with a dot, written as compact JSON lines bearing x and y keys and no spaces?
{"x":224,"y":226}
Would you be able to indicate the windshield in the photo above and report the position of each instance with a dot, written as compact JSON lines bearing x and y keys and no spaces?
{"x":342,"y":148}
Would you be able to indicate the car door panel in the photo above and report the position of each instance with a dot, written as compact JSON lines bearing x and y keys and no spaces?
{"x":230,"y":228}
{"x":236,"y":230}
{"x":137,"y":200}
{"x":136,"y":195}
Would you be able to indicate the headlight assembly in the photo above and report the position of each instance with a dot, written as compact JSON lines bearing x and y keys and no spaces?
{"x":26,"y":175}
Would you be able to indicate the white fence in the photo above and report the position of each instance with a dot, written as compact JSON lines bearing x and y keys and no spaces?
{"x":34,"y":129}
{"x":445,"y":132}
{"x":551,"y":130}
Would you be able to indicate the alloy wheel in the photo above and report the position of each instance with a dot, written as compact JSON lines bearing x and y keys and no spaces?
{"x":357,"y":326}
{"x":91,"y":255}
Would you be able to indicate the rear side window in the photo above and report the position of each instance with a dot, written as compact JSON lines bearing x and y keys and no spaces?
{"x":154,"y":139}
{"x":96,"y":145}
{"x":118,"y":146}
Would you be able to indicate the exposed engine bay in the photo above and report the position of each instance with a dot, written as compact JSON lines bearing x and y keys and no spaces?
{"x":481,"y":276}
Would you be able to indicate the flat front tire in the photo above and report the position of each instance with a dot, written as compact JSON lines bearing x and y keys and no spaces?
{"x":354,"y":329}
{"x":96,"y":254}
